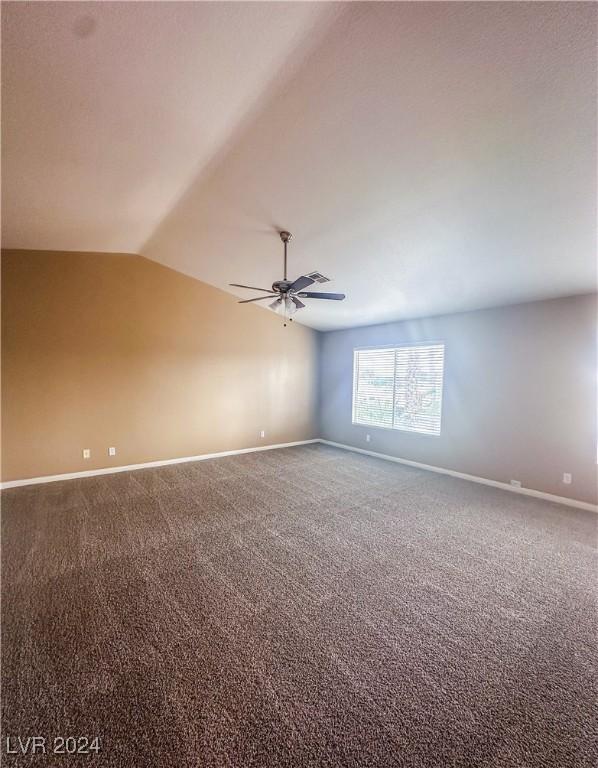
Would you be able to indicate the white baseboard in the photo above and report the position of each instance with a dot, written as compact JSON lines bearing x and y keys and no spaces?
{"x":462,"y":475}
{"x":472,"y":478}
{"x":145,"y":465}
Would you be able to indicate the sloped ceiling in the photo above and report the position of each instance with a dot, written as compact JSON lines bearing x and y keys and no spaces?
{"x":429,"y":157}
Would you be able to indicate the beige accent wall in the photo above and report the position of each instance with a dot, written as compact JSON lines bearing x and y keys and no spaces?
{"x":104,"y":350}
{"x":519,"y":399}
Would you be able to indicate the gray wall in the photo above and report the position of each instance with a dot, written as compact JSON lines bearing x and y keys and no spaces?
{"x":519,"y":395}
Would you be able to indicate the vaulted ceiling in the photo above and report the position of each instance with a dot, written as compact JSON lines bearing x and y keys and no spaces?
{"x":428,"y":157}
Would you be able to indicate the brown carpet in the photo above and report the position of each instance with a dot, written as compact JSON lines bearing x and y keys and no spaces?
{"x":300,"y":607}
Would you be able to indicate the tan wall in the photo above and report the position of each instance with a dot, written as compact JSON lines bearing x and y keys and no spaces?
{"x":104,"y":350}
{"x":519,"y":399}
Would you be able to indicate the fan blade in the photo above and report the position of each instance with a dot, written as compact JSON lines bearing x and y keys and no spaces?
{"x":332,"y":296}
{"x":297,"y":303}
{"x":251,"y":287}
{"x":300,"y":283}
{"x":259,"y":298}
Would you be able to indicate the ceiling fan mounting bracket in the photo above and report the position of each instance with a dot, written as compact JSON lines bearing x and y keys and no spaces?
{"x":285,"y":236}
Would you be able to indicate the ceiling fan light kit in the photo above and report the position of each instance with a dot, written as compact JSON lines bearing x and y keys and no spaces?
{"x":287,"y":293}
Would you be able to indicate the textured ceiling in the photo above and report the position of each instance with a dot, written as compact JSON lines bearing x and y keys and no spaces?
{"x":429,"y":157}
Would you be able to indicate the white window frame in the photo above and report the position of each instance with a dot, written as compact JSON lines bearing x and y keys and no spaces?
{"x":407,"y":345}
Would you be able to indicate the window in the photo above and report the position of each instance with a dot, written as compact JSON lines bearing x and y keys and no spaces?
{"x":399,"y":388}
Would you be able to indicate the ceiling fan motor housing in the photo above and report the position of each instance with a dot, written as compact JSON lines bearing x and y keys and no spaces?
{"x":282,"y":286}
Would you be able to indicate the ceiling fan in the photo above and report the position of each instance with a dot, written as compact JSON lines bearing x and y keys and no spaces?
{"x":287,"y":294}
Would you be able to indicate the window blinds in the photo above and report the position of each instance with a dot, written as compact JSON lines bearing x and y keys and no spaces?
{"x":399,"y":388}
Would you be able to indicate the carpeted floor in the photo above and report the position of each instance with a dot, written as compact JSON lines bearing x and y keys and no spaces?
{"x":299,"y":607}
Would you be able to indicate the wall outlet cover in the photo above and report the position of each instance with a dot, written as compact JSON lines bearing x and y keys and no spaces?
{"x":367,"y":438}
{"x":86,"y":453}
{"x":111,"y":451}
{"x":567,"y":478}
{"x":262,"y":433}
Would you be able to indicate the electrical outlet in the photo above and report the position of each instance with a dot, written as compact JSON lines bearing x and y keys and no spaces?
{"x":111,"y":451}
{"x":567,"y":478}
{"x":516,"y":483}
{"x":262,"y":433}
{"x":86,"y":453}
{"x":367,"y":438}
